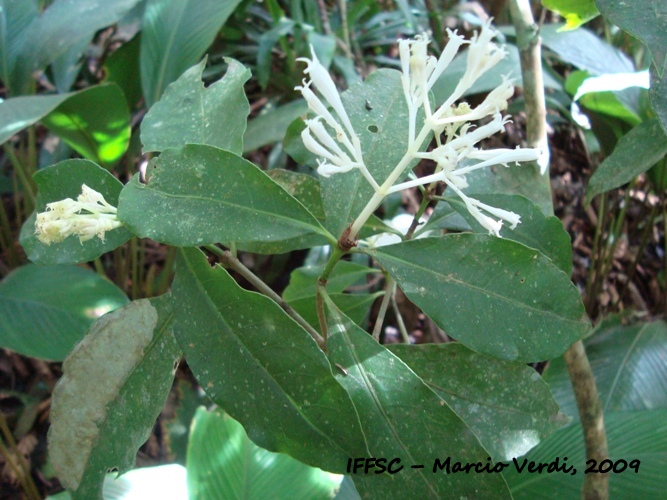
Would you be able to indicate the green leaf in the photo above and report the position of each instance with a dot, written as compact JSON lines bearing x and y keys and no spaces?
{"x":224,"y":463}
{"x":355,"y":306}
{"x":189,"y":399}
{"x":63,"y":25}
{"x":507,"y":405}
{"x":113,"y":387}
{"x":262,"y":368}
{"x":585,"y":50}
{"x":536,"y":230}
{"x":200,"y":194}
{"x":403,"y":419}
{"x":61,"y":181}
{"x":603,"y":101}
{"x":19,"y":113}
{"x":66,"y":67}
{"x":189,"y":113}
{"x":495,"y":296}
{"x":640,"y":435}
{"x":657,"y":95}
{"x":94,"y":122}
{"x":635,"y":153}
{"x":122,"y":68}
{"x":271,"y":125}
{"x":175,"y":34}
{"x":643,"y":19}
{"x":266,"y":43}
{"x":382,"y":133}
{"x":303,"y":280}
{"x":15,"y":17}
{"x":630,"y":373}
{"x":45,"y":311}
{"x":575,"y":12}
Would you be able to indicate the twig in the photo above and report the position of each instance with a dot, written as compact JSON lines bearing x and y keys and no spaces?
{"x":596,"y":486}
{"x":231,"y":262}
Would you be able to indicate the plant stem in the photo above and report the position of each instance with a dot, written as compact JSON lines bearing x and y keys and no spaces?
{"x":581,"y":375}
{"x":231,"y":262}
{"x":596,"y":486}
{"x":391,"y":288}
{"x":15,"y":461}
{"x":24,"y":177}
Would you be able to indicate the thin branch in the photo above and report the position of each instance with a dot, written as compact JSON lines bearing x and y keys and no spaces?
{"x":231,"y":262}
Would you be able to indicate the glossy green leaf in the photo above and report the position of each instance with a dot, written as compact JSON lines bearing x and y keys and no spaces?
{"x":382,"y":133}
{"x":224,"y":463}
{"x":61,"y":181}
{"x":263,"y":368}
{"x":15,"y":17}
{"x":114,"y":385}
{"x":635,"y":153}
{"x":63,"y":25}
{"x":643,"y":19}
{"x":537,"y":231}
{"x":271,"y":126}
{"x":94,"y":122}
{"x":603,"y":101}
{"x":122,"y":68}
{"x":585,"y":50}
{"x":303,"y":280}
{"x":189,"y":113}
{"x":575,"y":12}
{"x":640,"y":435}
{"x":19,"y":113}
{"x":507,"y":405}
{"x":628,"y":362}
{"x":200,"y":194}
{"x":495,"y":296}
{"x":175,"y":34}
{"x":45,"y":311}
{"x":403,"y":418}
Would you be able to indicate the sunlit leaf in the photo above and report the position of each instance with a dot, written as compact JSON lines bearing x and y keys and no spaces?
{"x":575,"y":12}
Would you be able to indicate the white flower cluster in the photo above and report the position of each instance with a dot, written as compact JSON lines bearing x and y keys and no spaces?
{"x":86,"y":218}
{"x":451,"y":125}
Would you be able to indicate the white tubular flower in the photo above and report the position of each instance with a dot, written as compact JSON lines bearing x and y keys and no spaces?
{"x":64,"y":218}
{"x":315,"y":137}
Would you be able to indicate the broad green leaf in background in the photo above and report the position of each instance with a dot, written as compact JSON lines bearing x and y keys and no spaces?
{"x":189,"y":398}
{"x":303,"y":280}
{"x":403,"y":418}
{"x":640,"y":435}
{"x":175,"y":34}
{"x":495,"y":296}
{"x":63,"y":25}
{"x":575,"y":12}
{"x":65,"y":68}
{"x":604,"y":100}
{"x":95,"y":122}
{"x":15,"y":17}
{"x":507,"y":405}
{"x":61,"y":181}
{"x":536,"y":230}
{"x":585,"y":50}
{"x":18,"y":113}
{"x":45,"y":311}
{"x":122,"y":68}
{"x":266,"y":43}
{"x":271,"y":125}
{"x":199,"y":194}
{"x":643,"y":19}
{"x":635,"y":153}
{"x":262,"y":368}
{"x":189,"y":113}
{"x":354,"y":305}
{"x":629,"y":367}
{"x":224,"y":463}
{"x":114,"y":385}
